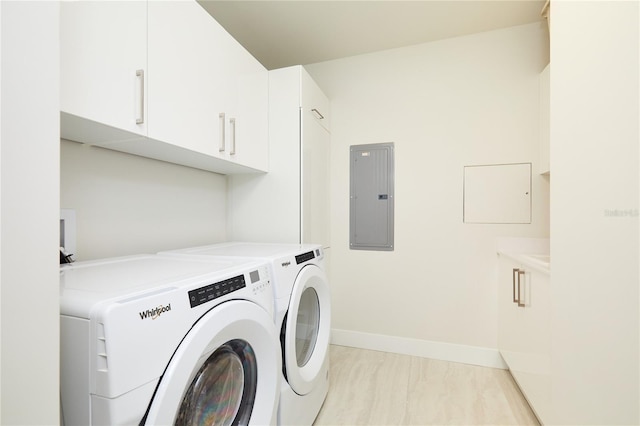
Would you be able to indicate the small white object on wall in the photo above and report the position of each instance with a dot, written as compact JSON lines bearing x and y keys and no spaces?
{"x":68,"y":231}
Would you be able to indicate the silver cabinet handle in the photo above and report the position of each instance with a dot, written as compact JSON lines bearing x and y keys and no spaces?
{"x":140,"y":103}
{"x":221,"y":118}
{"x":320,"y":116}
{"x":513,"y":279}
{"x":232,"y":122}
{"x":520,"y":302}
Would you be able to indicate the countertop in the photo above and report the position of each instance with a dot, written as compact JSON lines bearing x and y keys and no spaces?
{"x":538,"y":261}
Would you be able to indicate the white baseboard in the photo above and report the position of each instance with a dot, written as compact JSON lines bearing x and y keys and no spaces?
{"x":474,"y":355}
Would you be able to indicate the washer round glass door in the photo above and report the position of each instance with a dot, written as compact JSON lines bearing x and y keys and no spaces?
{"x":222,"y":391}
{"x":225,"y":371}
{"x":307,"y":329}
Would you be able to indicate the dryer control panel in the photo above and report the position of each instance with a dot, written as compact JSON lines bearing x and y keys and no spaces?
{"x":305,"y":257}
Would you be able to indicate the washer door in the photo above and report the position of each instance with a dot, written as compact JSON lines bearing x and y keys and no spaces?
{"x":307,"y":329}
{"x":225,"y":371}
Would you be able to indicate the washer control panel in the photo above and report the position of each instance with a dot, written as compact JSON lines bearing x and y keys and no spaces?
{"x":212,"y":291}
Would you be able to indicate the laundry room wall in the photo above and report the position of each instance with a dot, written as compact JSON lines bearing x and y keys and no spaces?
{"x":127,"y":204}
{"x":471,"y":100}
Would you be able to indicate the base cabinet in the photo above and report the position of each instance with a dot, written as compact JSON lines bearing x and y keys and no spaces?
{"x":524,"y":332}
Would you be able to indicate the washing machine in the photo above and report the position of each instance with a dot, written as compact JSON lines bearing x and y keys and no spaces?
{"x":302,"y":315}
{"x":158,"y":340}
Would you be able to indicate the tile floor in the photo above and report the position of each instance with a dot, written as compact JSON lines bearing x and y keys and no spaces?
{"x":379,"y":388}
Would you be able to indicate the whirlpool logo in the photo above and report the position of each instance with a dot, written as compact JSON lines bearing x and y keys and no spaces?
{"x":155,"y":312}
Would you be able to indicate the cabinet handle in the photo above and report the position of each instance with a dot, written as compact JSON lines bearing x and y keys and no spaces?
{"x":320,"y":116}
{"x":232,"y":122}
{"x":140,"y":103}
{"x":520,"y":303}
{"x":513,"y":278}
{"x":221,"y":118}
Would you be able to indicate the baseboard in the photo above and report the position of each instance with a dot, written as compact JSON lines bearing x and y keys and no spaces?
{"x":474,"y":355}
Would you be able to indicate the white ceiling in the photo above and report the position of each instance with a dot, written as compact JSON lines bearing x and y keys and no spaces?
{"x":283,"y":33}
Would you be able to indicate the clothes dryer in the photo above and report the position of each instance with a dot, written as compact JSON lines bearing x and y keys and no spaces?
{"x":156,"y":340}
{"x":303,"y":316}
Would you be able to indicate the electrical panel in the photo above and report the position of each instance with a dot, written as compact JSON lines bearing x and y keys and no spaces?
{"x":371,"y":197}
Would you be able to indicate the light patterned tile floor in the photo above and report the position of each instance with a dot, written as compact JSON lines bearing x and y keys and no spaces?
{"x":380,"y":388}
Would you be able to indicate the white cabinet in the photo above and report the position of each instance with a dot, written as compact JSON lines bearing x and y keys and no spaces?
{"x":103,"y":58}
{"x":290,"y":203}
{"x":544,"y":163}
{"x":198,"y":99}
{"x":29,"y":212}
{"x":188,"y":79}
{"x":315,"y":145}
{"x":250,"y":140}
{"x":314,"y":102}
{"x":208,"y":94}
{"x":524,"y":332}
{"x":594,"y":147}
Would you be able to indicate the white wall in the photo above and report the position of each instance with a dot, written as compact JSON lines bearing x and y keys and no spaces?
{"x":127,"y":204}
{"x":29,"y":200}
{"x":595,"y":122}
{"x":463,"y":101}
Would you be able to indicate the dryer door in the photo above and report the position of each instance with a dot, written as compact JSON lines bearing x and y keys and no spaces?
{"x":225,"y":371}
{"x":308,"y":325}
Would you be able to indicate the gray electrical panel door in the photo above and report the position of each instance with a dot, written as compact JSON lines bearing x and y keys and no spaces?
{"x":371,"y":197}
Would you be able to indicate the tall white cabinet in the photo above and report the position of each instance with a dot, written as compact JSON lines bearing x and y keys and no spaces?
{"x":594,"y":131}
{"x":29,"y":212}
{"x":544,"y":164}
{"x":162,"y":80}
{"x":291,"y":202}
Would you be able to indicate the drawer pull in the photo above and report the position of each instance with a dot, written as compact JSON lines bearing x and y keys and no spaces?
{"x":520,"y":302}
{"x":140,"y":103}
{"x":513,"y":278}
{"x":232,"y":122}
{"x":317,"y":113}
{"x":221,"y":118}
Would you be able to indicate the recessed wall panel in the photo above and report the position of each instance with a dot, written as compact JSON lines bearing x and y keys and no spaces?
{"x":497,"y":193}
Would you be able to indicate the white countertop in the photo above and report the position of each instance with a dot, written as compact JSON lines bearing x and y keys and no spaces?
{"x":533,"y":252}
{"x":538,"y":261}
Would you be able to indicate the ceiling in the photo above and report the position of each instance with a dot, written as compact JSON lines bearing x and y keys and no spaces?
{"x":292,"y":32}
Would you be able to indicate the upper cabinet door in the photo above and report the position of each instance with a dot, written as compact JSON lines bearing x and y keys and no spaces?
{"x":103,"y":51}
{"x":187,"y":74}
{"x":208,"y":94}
{"x":251,"y":118}
{"x":249,"y":82}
